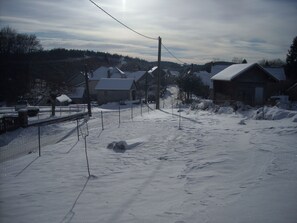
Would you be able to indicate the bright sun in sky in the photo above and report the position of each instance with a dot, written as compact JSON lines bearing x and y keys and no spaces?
{"x":124,"y":5}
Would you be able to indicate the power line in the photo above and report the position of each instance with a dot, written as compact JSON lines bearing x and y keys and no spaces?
{"x":172,"y":54}
{"x":148,"y":37}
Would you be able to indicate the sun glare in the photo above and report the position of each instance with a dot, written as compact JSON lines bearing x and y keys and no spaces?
{"x":124,"y":5}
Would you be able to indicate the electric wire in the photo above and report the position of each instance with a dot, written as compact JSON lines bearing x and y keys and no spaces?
{"x":172,"y":54}
{"x":148,"y":37}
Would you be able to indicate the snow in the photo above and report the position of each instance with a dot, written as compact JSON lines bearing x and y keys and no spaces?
{"x":102,"y":72}
{"x":135,"y":75}
{"x":277,"y":72}
{"x":63,"y":98}
{"x":220,"y":166}
{"x":231,"y":72}
{"x":235,"y":70}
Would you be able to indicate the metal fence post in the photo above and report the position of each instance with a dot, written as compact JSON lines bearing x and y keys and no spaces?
{"x":102,"y":120}
{"x":39,"y":145}
{"x":77,"y":129}
{"x":132,"y":111}
{"x":119,"y":115}
{"x":87,"y":156}
{"x":179,"y":118}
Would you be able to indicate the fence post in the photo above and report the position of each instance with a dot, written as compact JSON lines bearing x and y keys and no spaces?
{"x":85,"y":138}
{"x":119,"y":115}
{"x":77,"y":129}
{"x":102,"y":120}
{"x":179,"y":118}
{"x":39,"y":146}
{"x":132,"y":111}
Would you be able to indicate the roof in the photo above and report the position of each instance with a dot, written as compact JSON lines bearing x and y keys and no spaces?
{"x":116,"y":84}
{"x":153,"y":69}
{"x":77,"y":92}
{"x":102,"y":72}
{"x":277,"y":72}
{"x":174,"y":73}
{"x":235,"y":70}
{"x":135,"y":75}
{"x":218,"y":68}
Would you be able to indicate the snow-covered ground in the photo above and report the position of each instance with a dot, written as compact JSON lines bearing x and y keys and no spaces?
{"x":205,"y":167}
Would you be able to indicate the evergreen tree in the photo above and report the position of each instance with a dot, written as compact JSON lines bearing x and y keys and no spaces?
{"x":291,"y":67}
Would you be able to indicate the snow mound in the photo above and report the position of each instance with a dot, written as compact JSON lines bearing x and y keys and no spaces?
{"x":274,"y":113}
{"x":119,"y":147}
{"x":203,"y":105}
{"x":262,"y":113}
{"x":225,"y":110}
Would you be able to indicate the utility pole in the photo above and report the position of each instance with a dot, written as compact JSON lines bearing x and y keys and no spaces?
{"x":87,"y":91}
{"x":159,"y":75}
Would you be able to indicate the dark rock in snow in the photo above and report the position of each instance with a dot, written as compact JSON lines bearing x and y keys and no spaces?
{"x":119,"y":147}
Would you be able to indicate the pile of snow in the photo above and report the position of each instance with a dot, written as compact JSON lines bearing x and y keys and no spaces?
{"x":274,"y":113}
{"x":262,"y":113}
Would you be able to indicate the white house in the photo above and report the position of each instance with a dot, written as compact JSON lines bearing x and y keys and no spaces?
{"x":103,"y":72}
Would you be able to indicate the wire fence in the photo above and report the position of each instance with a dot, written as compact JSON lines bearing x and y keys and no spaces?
{"x":30,"y":141}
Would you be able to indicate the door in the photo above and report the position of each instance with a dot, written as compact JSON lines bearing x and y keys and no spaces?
{"x":259,"y":95}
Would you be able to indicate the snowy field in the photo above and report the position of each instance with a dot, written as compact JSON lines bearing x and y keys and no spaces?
{"x":221,"y":167}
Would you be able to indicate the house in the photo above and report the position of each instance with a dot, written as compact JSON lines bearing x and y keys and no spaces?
{"x":248,"y":83}
{"x":115,"y":90}
{"x":206,"y":76}
{"x":143,"y":80}
{"x":77,"y":95}
{"x":103,"y":72}
{"x":154,"y":73}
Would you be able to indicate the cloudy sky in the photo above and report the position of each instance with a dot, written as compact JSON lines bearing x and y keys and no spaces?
{"x":195,"y":31}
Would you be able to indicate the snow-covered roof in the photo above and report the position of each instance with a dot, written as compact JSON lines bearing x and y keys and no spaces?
{"x":63,"y":98}
{"x":277,"y":72}
{"x":77,"y":92}
{"x":218,"y":68}
{"x":114,"y":84}
{"x":103,"y":72}
{"x":153,"y":69}
{"x":174,"y":73}
{"x":235,"y":70}
{"x":135,"y":75}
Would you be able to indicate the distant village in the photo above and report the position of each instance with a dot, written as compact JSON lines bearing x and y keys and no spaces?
{"x":249,"y":83}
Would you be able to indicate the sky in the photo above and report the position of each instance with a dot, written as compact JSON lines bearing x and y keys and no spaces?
{"x":195,"y":31}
